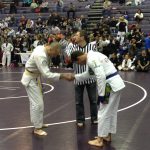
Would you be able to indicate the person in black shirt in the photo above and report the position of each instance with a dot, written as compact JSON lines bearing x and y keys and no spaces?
{"x":143,"y":62}
{"x":114,"y":60}
{"x":122,"y":29}
{"x":83,"y":45}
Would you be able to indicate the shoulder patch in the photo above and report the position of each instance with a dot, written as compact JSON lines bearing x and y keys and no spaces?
{"x":44,"y":63}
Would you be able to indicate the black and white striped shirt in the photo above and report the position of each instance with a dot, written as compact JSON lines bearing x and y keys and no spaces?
{"x":81,"y":68}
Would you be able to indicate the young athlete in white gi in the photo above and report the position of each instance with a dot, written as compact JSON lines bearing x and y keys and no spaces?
{"x":7,"y":48}
{"x":105,"y":72}
{"x":37,"y":66}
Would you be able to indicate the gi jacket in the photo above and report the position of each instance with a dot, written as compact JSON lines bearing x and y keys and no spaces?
{"x":38,"y":65}
{"x":104,"y":72}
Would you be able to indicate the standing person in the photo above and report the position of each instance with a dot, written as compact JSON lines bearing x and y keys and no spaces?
{"x":90,"y":84}
{"x":72,"y":9}
{"x":108,"y":81}
{"x":138,"y":16}
{"x":37,"y":66}
{"x":7,"y":48}
{"x":107,"y":8}
{"x":122,"y":30}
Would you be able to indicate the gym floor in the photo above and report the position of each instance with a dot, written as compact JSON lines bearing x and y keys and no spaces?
{"x":16,"y":130}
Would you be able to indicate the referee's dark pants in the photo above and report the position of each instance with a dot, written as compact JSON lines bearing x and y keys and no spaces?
{"x":79,"y":92}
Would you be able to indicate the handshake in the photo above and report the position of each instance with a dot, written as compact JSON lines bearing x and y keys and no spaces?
{"x":67,"y":76}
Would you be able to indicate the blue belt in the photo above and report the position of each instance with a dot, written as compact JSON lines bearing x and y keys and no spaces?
{"x":111,"y":75}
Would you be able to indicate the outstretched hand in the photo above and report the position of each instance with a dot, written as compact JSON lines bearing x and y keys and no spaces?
{"x":68,"y":76}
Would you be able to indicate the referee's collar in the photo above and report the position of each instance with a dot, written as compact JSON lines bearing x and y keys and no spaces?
{"x":83,"y":46}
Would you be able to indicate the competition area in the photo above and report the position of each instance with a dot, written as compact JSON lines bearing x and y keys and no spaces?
{"x":63,"y":134}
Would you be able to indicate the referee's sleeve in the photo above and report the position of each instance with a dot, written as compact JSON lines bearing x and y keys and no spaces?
{"x":69,"y":49}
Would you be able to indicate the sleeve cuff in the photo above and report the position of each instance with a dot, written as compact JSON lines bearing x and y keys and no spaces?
{"x":100,"y":99}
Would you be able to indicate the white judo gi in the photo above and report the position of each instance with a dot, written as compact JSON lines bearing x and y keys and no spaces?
{"x":7,"y":48}
{"x":105,"y":72}
{"x":37,"y":65}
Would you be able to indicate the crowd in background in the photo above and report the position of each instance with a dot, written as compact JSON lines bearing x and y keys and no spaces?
{"x":126,"y":45}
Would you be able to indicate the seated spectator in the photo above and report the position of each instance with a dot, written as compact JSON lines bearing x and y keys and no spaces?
{"x":56,"y":19}
{"x":121,"y":2}
{"x":138,"y":37}
{"x":132,"y":49}
{"x":44,"y":6}
{"x":138,"y":16}
{"x":147,"y":43}
{"x":13,"y":8}
{"x":27,"y":3}
{"x":138,"y":2}
{"x":83,"y":22}
{"x":77,"y":25}
{"x":13,"y":20}
{"x":29,"y":25}
{"x":72,"y":9}
{"x":129,"y":2}
{"x":23,"y":21}
{"x":2,"y":7}
{"x":126,"y":15}
{"x":114,"y":60}
{"x":112,"y":24}
{"x":107,"y":8}
{"x":37,"y":41}
{"x":34,"y":7}
{"x":55,"y":30}
{"x":126,"y":64}
{"x":59,"y":5}
{"x":143,"y":62}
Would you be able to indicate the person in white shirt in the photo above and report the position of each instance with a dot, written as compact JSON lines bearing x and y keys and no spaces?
{"x":138,"y":2}
{"x":105,"y":73}
{"x":7,"y":48}
{"x":138,"y":16}
{"x":126,"y":64}
{"x":37,"y":66}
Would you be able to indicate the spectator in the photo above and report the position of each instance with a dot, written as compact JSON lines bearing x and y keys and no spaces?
{"x":143,"y":62}
{"x":29,"y":25}
{"x":138,"y":16}
{"x":121,"y":2}
{"x":34,"y":7}
{"x":138,"y":2}
{"x":107,"y":8}
{"x":129,"y":2}
{"x":2,"y":7}
{"x":27,"y":3}
{"x":126,"y":64}
{"x":72,"y":9}
{"x":122,"y":30}
{"x":44,"y":6}
{"x":59,"y":5}
{"x":147,"y":43}
{"x":112,"y":24}
{"x":7,"y":48}
{"x":114,"y":60}
{"x":13,"y":8}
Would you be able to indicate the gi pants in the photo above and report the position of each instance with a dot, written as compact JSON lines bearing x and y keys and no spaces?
{"x":8,"y":56}
{"x":107,"y":115}
{"x":34,"y":92}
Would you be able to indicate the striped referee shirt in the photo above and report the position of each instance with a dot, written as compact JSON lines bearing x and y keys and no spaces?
{"x":81,"y":68}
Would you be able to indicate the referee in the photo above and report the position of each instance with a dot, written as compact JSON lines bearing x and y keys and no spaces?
{"x":82,"y":44}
